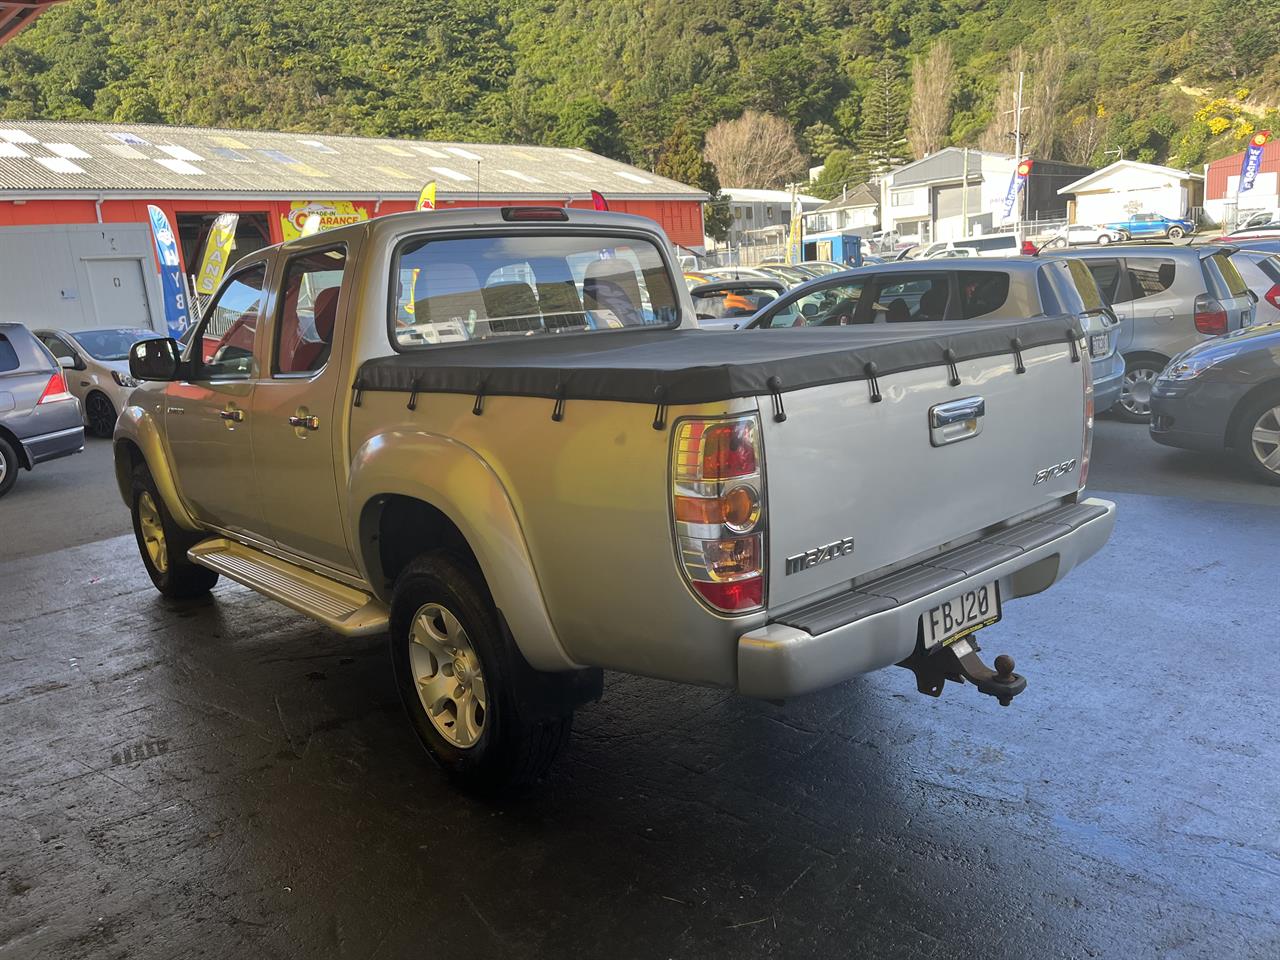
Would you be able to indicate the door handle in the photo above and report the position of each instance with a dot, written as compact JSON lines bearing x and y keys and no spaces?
{"x":956,"y":420}
{"x":306,"y":423}
{"x":235,"y":416}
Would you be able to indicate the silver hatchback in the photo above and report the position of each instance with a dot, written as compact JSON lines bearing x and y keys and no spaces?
{"x":1169,"y":298}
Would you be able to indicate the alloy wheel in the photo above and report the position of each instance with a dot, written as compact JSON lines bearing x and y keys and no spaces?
{"x":1265,"y":439}
{"x":152,"y":532}
{"x":102,"y":416}
{"x":1135,"y":390}
{"x":448,"y":675}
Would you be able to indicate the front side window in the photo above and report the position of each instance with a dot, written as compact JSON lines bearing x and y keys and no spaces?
{"x":833,"y":306}
{"x":479,"y":288}
{"x":58,"y":347}
{"x":1149,"y":276}
{"x":224,"y":342}
{"x":308,"y":311}
{"x":981,"y":292}
{"x":900,"y":297}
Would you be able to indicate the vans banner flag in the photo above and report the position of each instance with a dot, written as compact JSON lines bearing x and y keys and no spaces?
{"x":1016,"y":185}
{"x":177,"y":315}
{"x":217,"y":253}
{"x":1252,"y":159}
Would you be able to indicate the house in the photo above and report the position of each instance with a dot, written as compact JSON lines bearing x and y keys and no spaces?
{"x":958,"y":192}
{"x":1126,"y":187}
{"x":74,"y":199}
{"x":856,"y":211}
{"x":761,"y":216}
{"x":1222,"y":179}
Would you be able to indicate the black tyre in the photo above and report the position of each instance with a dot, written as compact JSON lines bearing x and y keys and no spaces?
{"x":9,"y":466}
{"x":1257,"y":439}
{"x":1134,"y":405}
{"x":1176,"y":233}
{"x":471,"y":697}
{"x":1104,"y":239}
{"x":99,"y":414}
{"x":164,"y":545}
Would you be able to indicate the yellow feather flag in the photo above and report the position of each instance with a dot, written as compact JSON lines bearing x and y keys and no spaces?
{"x":427,"y":199}
{"x":217,"y":253}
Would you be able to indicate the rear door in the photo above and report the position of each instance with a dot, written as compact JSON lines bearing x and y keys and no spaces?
{"x":295,"y":430}
{"x":1232,"y":292}
{"x":1162,"y":315}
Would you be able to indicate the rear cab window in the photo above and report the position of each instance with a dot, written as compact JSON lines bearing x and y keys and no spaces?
{"x":484,"y":287}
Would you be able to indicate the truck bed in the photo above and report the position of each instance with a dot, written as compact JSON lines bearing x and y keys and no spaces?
{"x":699,"y":366}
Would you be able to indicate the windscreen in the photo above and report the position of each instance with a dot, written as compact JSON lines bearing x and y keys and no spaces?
{"x":478,"y":288}
{"x":112,"y":344}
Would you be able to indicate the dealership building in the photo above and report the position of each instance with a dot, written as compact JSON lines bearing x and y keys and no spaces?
{"x":75,"y":244}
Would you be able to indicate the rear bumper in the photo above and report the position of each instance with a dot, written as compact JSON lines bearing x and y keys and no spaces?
{"x":51,"y":446}
{"x":1108,"y":379}
{"x":877,"y":624}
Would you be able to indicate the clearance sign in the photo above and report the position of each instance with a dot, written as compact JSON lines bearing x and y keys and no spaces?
{"x":330,"y":213}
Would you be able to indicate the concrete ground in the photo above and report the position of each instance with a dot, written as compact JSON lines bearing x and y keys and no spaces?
{"x":227,"y":779}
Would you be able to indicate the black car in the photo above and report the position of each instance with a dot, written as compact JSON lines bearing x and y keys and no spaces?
{"x":1224,"y":394}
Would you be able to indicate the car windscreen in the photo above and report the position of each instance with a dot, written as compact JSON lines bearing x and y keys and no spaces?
{"x":1220,"y":268}
{"x":112,"y":344}
{"x":482,"y":287}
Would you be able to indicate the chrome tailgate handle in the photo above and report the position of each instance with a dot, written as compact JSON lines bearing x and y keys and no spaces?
{"x":956,"y":420}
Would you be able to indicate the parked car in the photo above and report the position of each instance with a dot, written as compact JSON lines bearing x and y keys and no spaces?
{"x":583,"y":483}
{"x":97,"y":369}
{"x":991,"y":245}
{"x":1142,"y":226}
{"x":1224,"y":395}
{"x":1250,"y":219}
{"x":1168,"y":298}
{"x":822,"y":268}
{"x":951,"y":253}
{"x":728,"y":304}
{"x":39,"y":418}
{"x":989,"y":290}
{"x":1258,"y":238}
{"x":1081,"y":234}
{"x":1261,"y":272}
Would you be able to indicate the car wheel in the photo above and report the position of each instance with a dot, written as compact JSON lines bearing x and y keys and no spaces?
{"x":1258,"y":438}
{"x":1060,"y":242}
{"x":99,"y":414}
{"x":1134,"y":405}
{"x":1176,"y":233}
{"x":9,"y":466}
{"x":164,"y":545}
{"x":462,"y":681}
{"x":1104,"y":239}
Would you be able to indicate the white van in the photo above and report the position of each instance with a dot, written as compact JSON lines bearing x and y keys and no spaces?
{"x":992,"y":245}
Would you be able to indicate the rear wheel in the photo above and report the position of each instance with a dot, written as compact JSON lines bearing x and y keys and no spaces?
{"x":8,"y":466}
{"x":1176,"y":233}
{"x":1258,"y":438}
{"x":1140,"y":375}
{"x":468,"y":692}
{"x":164,"y":545}
{"x":100,"y":414}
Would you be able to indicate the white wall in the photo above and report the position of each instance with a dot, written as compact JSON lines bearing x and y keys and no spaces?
{"x":1265,"y":195}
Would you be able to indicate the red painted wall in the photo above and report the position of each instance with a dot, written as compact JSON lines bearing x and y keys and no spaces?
{"x":1215,"y":181}
{"x":681,"y":219}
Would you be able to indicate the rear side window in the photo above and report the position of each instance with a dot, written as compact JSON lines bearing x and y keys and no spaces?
{"x":8,"y":356}
{"x":1086,"y":287}
{"x":308,"y":310}
{"x":1149,"y":276}
{"x":1048,"y":299}
{"x":478,"y":288}
{"x":1231,"y":279}
{"x":982,"y":292}
{"x":913,"y":296}
{"x":1106,"y":273}
{"x":992,"y":243}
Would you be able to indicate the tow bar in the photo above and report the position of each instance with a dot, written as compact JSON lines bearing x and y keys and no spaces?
{"x":959,"y":662}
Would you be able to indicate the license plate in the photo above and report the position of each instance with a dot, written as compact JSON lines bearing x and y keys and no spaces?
{"x":1098,"y":345}
{"x":961,"y":616}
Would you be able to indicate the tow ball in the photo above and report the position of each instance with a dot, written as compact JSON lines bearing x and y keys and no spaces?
{"x":959,"y":662}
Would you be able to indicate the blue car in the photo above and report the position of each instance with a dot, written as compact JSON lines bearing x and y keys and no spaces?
{"x":1147,"y":225}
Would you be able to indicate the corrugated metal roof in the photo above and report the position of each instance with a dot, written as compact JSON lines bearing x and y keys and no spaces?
{"x":45,"y":157}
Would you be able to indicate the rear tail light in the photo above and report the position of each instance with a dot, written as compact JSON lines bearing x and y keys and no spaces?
{"x":55,"y":390}
{"x":1210,"y":317}
{"x":718,"y":507}
{"x":1086,"y":448}
{"x":1272,"y":296}
{"x":522,"y":214}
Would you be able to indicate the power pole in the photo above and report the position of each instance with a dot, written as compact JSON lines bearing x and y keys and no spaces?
{"x":1017,"y":148}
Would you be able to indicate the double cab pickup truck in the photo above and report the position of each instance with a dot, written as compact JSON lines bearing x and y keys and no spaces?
{"x":498,"y":437}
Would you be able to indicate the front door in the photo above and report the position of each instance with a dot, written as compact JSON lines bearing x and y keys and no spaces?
{"x":119,"y":293}
{"x":297,"y":443}
{"x":208,"y":417}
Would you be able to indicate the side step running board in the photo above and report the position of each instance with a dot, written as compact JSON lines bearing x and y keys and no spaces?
{"x":344,"y":609}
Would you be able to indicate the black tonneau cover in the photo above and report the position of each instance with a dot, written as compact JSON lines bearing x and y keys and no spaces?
{"x":699,"y":366}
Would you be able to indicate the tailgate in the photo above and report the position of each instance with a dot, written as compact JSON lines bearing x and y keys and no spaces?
{"x":843,"y":467}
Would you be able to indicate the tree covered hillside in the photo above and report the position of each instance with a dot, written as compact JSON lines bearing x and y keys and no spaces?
{"x":644,"y":80}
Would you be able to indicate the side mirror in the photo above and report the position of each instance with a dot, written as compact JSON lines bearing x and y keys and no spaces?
{"x":68,"y":363}
{"x":809,"y":309}
{"x":156,"y":359}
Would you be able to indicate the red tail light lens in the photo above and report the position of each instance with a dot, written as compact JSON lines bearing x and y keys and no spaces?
{"x":718,"y":507}
{"x":1210,"y":318}
{"x":1272,"y":296}
{"x":55,"y":390}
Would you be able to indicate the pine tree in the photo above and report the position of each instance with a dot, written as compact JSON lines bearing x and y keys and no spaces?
{"x":882,"y":135}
